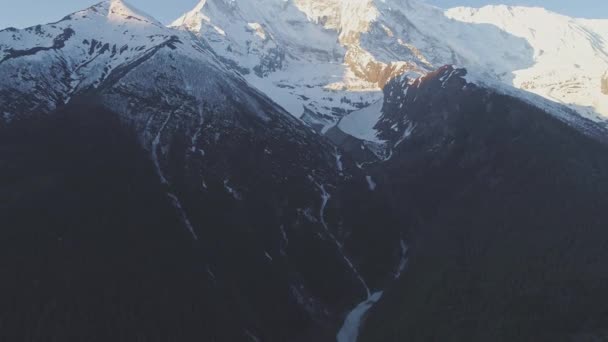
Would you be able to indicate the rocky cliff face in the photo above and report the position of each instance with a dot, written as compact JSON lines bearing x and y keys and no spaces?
{"x":474,"y":167}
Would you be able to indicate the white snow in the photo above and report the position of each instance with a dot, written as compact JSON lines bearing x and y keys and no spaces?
{"x":268,"y":256}
{"x":314,"y":54}
{"x":197,"y":133}
{"x":328,"y":48}
{"x":321,"y":87}
{"x":370,"y":183}
{"x":237,"y":195}
{"x":352,"y":324}
{"x":102,"y":38}
{"x":325,"y":197}
{"x":349,"y":332}
{"x":403,"y":259}
{"x":259,"y":30}
{"x":155,"y":149}
{"x":285,"y":240}
{"x":406,"y":133}
{"x":306,"y":69}
{"x":360,"y":124}
{"x":178,"y":206}
{"x":569,"y":55}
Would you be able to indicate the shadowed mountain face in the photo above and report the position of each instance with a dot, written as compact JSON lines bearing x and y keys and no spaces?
{"x":92,"y":248}
{"x":506,"y":209}
{"x":95,"y":248}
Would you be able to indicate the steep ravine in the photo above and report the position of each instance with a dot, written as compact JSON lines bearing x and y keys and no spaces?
{"x":353,"y":323}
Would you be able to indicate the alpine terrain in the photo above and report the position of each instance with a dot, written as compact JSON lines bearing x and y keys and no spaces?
{"x":305,"y":170}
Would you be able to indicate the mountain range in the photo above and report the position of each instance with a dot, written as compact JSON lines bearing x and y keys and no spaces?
{"x":305,"y":170}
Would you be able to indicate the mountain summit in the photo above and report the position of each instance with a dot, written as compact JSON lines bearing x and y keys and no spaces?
{"x":119,"y":10}
{"x":340,"y":47}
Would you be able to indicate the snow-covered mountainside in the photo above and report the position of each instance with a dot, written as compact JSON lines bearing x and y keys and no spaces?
{"x":322,"y":59}
{"x":78,"y":52}
{"x":171,"y":183}
{"x":285,"y":53}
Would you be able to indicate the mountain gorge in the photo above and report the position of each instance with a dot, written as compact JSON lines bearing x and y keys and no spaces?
{"x":270,"y":170}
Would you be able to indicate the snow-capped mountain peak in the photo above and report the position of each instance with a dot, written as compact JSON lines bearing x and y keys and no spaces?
{"x":350,"y":18}
{"x":290,"y":55}
{"x":344,"y":52}
{"x":84,"y":48}
{"x":119,"y":10}
{"x":255,"y":190}
{"x":115,"y":11}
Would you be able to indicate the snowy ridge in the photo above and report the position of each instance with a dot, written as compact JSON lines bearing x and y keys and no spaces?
{"x":284,"y":52}
{"x":322,"y":60}
{"x":544,"y":58}
{"x":80,"y":51}
{"x":360,"y":124}
{"x":569,"y":55}
{"x":209,"y":85}
{"x":352,"y":324}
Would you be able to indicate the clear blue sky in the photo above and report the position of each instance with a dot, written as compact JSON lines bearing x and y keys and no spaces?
{"x":23,"y":13}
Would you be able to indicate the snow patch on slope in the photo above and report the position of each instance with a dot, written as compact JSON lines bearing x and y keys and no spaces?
{"x":322,"y":60}
{"x":569,"y":55}
{"x":286,"y":51}
{"x":360,"y":124}
{"x":352,"y":324}
{"x":80,"y":51}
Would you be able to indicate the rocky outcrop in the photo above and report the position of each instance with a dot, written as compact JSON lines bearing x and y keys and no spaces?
{"x":605,"y":84}
{"x":472,"y":166}
{"x":362,"y":64}
{"x":379,"y":40}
